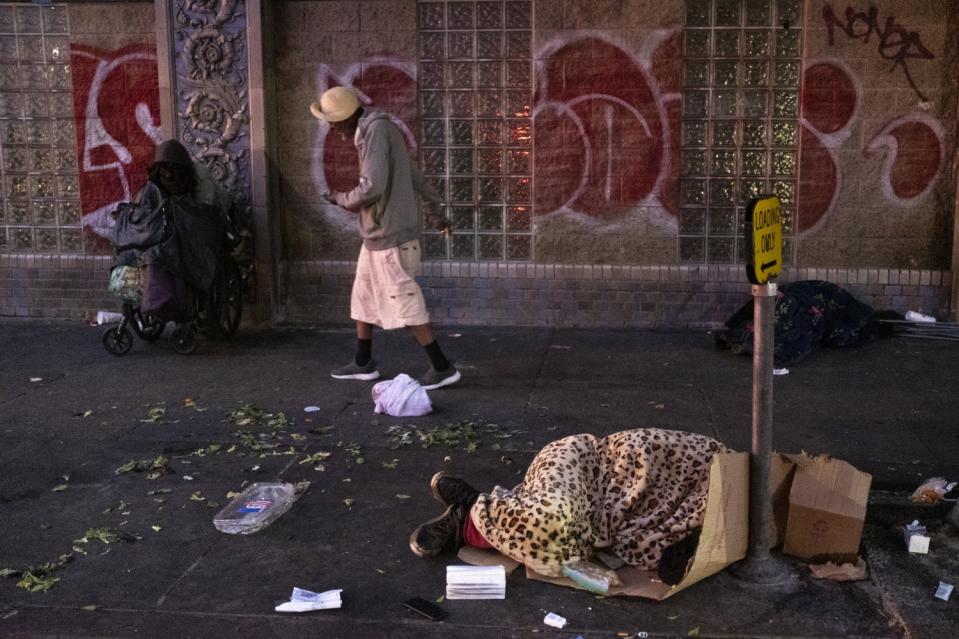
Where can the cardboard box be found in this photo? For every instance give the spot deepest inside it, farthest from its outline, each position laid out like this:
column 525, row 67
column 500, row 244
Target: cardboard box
column 827, row 509
column 722, row 542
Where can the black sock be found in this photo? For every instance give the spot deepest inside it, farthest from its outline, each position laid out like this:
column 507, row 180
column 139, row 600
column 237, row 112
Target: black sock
column 364, row 351
column 437, row 358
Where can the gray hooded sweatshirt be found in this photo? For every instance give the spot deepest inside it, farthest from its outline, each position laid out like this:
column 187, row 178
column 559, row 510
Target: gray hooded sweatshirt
column 386, row 197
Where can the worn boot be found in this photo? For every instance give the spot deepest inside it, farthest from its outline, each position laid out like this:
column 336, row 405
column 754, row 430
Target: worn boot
column 442, row 533
column 452, row 490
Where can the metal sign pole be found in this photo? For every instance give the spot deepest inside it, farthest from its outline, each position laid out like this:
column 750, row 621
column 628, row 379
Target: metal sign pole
column 759, row 566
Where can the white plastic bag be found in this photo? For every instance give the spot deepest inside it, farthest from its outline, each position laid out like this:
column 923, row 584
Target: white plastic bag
column 401, row 397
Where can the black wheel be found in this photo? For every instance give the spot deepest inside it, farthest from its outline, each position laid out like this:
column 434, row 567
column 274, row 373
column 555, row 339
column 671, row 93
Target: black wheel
column 183, row 339
column 227, row 300
column 118, row 341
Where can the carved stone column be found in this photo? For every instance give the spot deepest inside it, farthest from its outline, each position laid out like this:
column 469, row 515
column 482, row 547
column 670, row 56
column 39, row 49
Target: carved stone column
column 205, row 70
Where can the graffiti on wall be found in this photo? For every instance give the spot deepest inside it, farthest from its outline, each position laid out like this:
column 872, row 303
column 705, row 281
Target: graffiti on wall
column 606, row 131
column 605, row 134
column 116, row 110
column 894, row 41
column 913, row 145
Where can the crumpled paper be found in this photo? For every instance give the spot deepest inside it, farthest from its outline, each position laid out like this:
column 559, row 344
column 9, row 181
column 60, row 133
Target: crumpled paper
column 841, row 572
column 305, row 600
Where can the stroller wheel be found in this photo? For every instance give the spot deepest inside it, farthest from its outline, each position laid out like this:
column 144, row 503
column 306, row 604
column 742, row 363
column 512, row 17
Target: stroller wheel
column 183, row 339
column 118, row 341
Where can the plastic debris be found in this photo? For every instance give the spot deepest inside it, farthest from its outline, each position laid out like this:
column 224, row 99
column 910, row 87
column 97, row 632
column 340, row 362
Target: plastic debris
column 780, row 371
column 255, row 508
column 401, row 397
column 107, row 317
column 917, row 539
column 913, row 316
column 943, row 591
column 932, row 490
column 591, row 577
column 311, row 409
column 554, row 620
column 306, row 600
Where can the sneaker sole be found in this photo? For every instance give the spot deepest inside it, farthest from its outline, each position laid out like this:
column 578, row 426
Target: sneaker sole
column 433, row 482
column 420, row 552
column 452, row 379
column 363, row 376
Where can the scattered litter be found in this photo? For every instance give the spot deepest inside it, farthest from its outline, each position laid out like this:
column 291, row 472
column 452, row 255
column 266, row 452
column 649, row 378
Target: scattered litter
column 591, row 577
column 401, row 397
column 89, row 608
column 780, row 371
column 456, row 335
column 554, row 620
column 913, row 316
column 475, row 582
column 306, row 600
column 188, row 478
column 83, row 414
column 317, row 459
column 840, row 572
column 932, row 490
column 190, row 403
column 255, row 508
column 311, row 409
column 36, row 379
column 156, row 528
column 154, row 468
column 916, row 537
column 943, row 591
column 59, row 488
column 108, row 317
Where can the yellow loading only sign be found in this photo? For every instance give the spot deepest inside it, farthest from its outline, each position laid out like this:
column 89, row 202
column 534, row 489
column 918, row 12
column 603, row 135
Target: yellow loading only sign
column 764, row 239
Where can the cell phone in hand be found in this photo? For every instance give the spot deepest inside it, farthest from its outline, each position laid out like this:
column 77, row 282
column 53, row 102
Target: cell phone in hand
column 427, row 609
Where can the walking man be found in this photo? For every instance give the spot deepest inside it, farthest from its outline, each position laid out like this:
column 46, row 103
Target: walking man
column 384, row 291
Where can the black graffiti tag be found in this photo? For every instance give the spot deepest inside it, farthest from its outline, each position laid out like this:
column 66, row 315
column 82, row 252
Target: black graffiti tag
column 895, row 41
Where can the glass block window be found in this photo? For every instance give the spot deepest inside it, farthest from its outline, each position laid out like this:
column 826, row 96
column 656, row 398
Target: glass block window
column 476, row 90
column 39, row 196
column 741, row 68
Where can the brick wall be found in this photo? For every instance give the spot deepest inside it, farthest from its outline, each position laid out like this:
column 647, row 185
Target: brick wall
column 672, row 296
column 55, row 286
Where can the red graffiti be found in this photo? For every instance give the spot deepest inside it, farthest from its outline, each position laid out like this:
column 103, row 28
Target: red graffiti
column 916, row 153
column 896, row 43
column 604, row 135
column 116, row 109
column 383, row 86
column 913, row 144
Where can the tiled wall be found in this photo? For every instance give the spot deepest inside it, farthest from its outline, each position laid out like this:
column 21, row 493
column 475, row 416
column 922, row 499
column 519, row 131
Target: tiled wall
column 523, row 294
column 55, row 286
column 78, row 107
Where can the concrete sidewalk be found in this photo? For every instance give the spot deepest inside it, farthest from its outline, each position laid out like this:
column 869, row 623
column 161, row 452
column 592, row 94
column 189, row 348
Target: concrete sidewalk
column 889, row 408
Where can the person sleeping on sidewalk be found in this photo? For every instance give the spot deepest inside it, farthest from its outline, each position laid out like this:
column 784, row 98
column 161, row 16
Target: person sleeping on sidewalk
column 634, row 494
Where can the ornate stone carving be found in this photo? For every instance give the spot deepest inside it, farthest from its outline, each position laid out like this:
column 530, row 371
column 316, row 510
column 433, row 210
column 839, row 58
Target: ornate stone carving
column 211, row 88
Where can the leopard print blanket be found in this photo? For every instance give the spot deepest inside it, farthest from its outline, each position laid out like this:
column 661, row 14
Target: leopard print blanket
column 632, row 494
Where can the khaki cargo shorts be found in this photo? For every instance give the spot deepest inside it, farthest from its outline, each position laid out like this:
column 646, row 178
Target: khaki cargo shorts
column 384, row 291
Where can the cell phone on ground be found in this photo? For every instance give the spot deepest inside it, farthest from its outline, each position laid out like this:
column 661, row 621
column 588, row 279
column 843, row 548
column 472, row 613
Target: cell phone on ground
column 427, row 609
